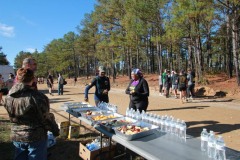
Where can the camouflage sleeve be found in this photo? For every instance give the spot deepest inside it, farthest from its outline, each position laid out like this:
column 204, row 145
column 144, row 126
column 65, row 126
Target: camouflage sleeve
column 48, row 118
column 51, row 125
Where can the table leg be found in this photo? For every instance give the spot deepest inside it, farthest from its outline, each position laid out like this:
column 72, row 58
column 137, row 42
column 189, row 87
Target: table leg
column 69, row 118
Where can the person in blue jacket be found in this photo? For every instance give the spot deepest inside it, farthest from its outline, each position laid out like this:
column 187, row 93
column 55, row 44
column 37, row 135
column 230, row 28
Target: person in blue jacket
column 138, row 91
column 102, row 85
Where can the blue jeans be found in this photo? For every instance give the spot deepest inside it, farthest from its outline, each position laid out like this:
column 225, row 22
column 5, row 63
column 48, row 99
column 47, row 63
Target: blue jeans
column 30, row 151
column 60, row 89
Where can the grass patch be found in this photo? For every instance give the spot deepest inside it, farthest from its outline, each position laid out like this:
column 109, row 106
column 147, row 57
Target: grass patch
column 6, row 145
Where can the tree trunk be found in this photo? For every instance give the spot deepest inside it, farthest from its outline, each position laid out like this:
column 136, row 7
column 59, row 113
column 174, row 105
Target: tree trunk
column 235, row 46
column 229, row 49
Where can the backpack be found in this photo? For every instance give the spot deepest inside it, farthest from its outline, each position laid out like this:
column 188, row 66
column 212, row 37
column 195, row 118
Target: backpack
column 182, row 80
column 64, row 82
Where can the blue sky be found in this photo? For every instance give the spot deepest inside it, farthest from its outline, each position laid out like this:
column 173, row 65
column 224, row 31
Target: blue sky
column 26, row 25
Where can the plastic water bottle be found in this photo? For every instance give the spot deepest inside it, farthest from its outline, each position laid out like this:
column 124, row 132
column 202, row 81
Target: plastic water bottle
column 143, row 115
column 183, row 130
column 168, row 124
column 204, row 140
column 211, row 145
column 130, row 113
column 173, row 125
column 138, row 115
column 177, row 127
column 134, row 115
column 220, row 149
column 127, row 112
column 163, row 123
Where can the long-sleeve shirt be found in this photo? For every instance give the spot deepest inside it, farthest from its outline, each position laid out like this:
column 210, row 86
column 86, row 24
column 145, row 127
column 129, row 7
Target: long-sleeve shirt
column 101, row 84
column 141, row 90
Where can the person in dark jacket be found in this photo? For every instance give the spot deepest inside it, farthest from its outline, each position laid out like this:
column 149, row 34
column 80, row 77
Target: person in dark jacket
column 167, row 83
column 138, row 91
column 102, row 84
column 28, row 110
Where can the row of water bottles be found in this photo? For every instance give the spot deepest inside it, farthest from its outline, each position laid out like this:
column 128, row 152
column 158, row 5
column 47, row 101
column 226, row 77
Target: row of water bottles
column 212, row 145
column 107, row 106
column 166, row 124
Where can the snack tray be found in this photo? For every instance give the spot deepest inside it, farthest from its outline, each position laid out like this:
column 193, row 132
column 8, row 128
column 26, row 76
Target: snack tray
column 95, row 112
column 109, row 128
column 137, row 135
column 116, row 115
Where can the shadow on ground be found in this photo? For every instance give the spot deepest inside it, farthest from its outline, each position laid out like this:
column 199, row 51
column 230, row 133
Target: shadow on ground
column 179, row 108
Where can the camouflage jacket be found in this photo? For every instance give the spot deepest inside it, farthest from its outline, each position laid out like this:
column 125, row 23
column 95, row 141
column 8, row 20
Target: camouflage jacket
column 28, row 110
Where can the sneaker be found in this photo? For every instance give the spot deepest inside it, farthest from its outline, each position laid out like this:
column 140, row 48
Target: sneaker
column 176, row 97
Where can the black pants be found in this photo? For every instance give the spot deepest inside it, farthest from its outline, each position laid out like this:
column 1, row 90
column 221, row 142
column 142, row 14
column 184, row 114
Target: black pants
column 141, row 105
column 160, row 88
column 190, row 90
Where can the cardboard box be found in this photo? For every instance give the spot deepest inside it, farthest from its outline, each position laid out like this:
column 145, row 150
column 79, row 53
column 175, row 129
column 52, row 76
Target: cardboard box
column 105, row 153
column 64, row 129
column 73, row 131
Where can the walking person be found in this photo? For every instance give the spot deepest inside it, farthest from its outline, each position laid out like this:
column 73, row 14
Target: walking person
column 164, row 75
column 28, row 111
column 190, row 84
column 102, row 85
column 60, row 84
column 138, row 91
column 182, row 85
column 75, row 80
column 160, row 84
column 50, row 83
column 167, row 83
column 174, row 80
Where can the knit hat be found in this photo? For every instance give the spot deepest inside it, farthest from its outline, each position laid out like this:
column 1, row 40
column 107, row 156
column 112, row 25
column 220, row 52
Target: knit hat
column 137, row 72
column 101, row 69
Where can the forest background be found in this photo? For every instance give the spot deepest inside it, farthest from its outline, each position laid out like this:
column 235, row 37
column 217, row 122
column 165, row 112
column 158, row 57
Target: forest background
column 151, row 35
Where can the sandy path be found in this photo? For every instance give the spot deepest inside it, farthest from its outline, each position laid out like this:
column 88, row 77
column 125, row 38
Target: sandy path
column 219, row 115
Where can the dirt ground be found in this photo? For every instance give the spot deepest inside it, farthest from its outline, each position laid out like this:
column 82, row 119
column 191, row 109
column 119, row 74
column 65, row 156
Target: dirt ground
column 219, row 113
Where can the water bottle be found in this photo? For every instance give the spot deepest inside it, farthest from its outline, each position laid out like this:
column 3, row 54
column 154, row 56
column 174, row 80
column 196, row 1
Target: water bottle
column 177, row 127
column 183, row 129
column 163, row 125
column 211, row 145
column 204, row 140
column 143, row 115
column 130, row 113
column 173, row 125
column 152, row 118
column 220, row 149
column 138, row 115
column 134, row 115
column 168, row 124
column 127, row 112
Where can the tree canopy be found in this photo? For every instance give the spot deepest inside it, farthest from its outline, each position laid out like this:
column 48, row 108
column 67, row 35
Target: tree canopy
column 151, row 35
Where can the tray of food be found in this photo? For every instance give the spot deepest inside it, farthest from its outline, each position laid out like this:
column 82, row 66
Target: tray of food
column 110, row 124
column 104, row 116
column 89, row 112
column 135, row 130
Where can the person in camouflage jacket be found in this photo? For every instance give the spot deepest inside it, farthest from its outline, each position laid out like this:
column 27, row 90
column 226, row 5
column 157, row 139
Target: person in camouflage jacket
column 28, row 111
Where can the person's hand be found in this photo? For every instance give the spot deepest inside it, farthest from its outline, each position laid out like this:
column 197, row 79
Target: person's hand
column 132, row 92
column 86, row 99
column 105, row 91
